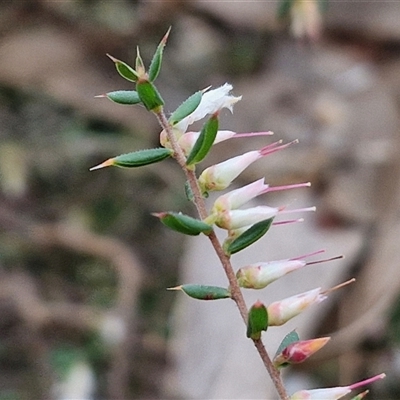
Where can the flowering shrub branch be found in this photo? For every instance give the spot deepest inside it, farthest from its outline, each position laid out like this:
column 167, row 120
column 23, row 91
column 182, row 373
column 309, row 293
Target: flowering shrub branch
column 243, row 226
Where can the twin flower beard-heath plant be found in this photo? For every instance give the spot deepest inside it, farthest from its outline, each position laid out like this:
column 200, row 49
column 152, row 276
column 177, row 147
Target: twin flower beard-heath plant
column 243, row 226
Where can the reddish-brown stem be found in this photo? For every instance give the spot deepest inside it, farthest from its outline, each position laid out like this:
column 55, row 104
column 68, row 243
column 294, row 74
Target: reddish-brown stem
column 236, row 293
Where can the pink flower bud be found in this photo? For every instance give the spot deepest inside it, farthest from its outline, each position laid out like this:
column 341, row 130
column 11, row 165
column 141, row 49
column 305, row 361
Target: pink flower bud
column 220, row 176
column 282, row 311
column 334, row 393
column 298, row 352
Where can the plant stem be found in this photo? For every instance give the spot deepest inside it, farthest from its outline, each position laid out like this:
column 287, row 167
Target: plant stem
column 236, row 293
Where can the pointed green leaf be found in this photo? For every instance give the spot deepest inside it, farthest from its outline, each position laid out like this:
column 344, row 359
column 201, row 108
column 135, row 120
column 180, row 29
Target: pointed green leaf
column 136, row 158
column 183, row 223
column 255, row 232
column 204, row 292
column 290, row 338
column 155, row 65
column 204, row 142
column 284, row 8
column 142, row 157
column 149, row 95
column 125, row 70
column 186, row 108
column 126, row 97
column 257, row 320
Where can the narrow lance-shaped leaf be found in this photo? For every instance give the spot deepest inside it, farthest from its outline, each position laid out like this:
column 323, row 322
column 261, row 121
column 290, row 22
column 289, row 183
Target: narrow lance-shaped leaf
column 136, row 159
column 124, row 69
column 257, row 320
column 183, row 223
column 251, row 235
column 204, row 142
column 149, row 95
column 186, row 108
column 290, row 338
column 125, row 97
column 155, row 65
column 204, row 292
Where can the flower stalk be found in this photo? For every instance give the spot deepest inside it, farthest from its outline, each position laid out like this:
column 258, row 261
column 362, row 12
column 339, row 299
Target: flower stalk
column 236, row 293
column 244, row 226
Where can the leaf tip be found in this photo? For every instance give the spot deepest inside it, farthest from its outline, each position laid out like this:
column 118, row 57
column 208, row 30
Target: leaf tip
column 113, row 59
column 107, row 163
column 175, row 288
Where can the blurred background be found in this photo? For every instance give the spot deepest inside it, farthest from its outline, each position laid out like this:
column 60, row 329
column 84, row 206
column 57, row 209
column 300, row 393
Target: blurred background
column 84, row 313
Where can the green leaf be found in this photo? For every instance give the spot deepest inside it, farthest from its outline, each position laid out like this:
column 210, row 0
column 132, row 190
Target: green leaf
column 183, row 223
column 257, row 320
column 125, row 70
column 126, row 97
column 142, row 157
column 291, row 337
column 203, row 292
column 284, row 8
column 204, row 142
column 155, row 65
column 255, row 232
column 136, row 158
column 149, row 95
column 186, row 108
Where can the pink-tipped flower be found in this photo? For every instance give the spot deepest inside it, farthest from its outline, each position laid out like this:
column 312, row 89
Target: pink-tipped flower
column 187, row 140
column 211, row 102
column 334, row 393
column 236, row 198
column 259, row 275
column 236, row 219
column 282, row 311
column 220, row 176
column 298, row 352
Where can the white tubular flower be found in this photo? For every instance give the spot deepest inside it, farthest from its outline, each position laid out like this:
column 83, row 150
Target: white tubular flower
column 236, row 198
column 260, row 275
column 235, row 219
column 211, row 102
column 333, row 393
column 220, row 176
column 282, row 311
